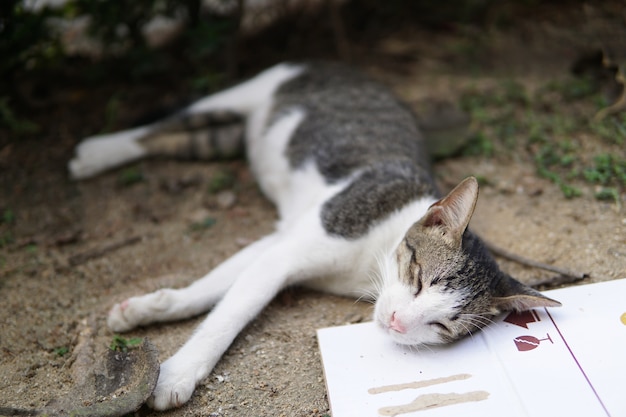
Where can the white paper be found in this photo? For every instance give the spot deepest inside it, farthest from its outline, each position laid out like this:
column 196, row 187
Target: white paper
column 567, row 361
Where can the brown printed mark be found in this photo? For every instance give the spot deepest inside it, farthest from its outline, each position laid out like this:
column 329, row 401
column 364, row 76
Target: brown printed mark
column 430, row 401
column 418, row 384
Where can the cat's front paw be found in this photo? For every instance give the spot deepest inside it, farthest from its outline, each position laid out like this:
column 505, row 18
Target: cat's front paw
column 142, row 310
column 174, row 387
column 122, row 318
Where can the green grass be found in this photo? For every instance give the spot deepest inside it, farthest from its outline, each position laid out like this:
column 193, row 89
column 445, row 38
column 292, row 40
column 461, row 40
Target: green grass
column 111, row 112
column 545, row 129
column 130, row 176
column 61, row 351
column 479, row 145
column 17, row 125
column 608, row 194
column 612, row 129
column 122, row 344
column 8, row 216
column 220, row 181
column 205, row 224
column 6, row 239
column 7, row 219
column 571, row 89
column 607, row 170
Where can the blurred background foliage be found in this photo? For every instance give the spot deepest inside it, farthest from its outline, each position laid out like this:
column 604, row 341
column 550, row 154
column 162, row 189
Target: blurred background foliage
column 74, row 68
column 52, row 51
column 44, row 41
column 40, row 41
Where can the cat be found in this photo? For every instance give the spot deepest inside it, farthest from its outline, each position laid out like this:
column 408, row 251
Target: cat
column 345, row 164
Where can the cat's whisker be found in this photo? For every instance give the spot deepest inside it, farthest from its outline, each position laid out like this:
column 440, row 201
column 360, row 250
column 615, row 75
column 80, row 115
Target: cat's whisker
column 412, row 348
column 372, row 293
column 474, row 322
column 423, row 346
column 376, row 279
column 468, row 324
column 379, row 276
column 477, row 321
column 367, row 296
column 482, row 320
column 467, row 329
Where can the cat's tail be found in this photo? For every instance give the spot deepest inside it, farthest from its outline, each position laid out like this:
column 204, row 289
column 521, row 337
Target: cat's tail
column 211, row 136
column 210, row 128
column 99, row 153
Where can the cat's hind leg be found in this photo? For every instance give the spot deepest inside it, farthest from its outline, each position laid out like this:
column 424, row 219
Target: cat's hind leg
column 177, row 304
column 209, row 128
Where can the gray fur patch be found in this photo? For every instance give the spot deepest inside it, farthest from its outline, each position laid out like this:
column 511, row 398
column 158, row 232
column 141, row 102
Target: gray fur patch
column 355, row 125
column 377, row 192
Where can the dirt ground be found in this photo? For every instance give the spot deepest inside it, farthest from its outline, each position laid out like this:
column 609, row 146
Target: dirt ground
column 60, row 269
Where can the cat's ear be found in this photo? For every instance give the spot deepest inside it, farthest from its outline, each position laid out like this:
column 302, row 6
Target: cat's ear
column 453, row 212
column 512, row 295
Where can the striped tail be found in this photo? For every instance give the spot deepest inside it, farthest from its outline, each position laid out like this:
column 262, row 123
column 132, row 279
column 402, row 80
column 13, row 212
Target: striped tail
column 210, row 136
column 210, row 128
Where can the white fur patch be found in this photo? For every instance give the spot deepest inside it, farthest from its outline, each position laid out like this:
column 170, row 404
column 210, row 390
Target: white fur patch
column 416, row 313
column 368, row 263
column 98, row 153
column 248, row 96
column 266, row 153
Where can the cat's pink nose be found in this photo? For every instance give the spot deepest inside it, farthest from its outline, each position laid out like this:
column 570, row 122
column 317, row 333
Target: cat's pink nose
column 396, row 324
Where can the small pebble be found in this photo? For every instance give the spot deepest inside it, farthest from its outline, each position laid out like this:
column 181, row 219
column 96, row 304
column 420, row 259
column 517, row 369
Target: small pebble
column 226, row 199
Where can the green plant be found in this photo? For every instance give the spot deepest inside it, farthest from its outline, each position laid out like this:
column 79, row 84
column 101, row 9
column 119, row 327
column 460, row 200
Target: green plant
column 15, row 124
column 26, row 41
column 479, row 145
column 122, row 344
column 607, row 169
column 482, row 180
column 572, row 88
column 31, row 48
column 611, row 129
column 569, row 191
column 202, row 225
column 510, row 91
column 61, row 351
column 607, row 194
column 111, row 112
column 6, row 239
column 118, row 24
column 221, row 180
column 550, row 161
column 8, row 216
column 130, row 176
column 206, row 81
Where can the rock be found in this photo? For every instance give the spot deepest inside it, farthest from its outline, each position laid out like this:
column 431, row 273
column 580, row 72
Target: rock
column 226, row 199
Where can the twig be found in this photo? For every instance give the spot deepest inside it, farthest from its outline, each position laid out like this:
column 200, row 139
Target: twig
column 8, row 411
column 565, row 275
column 83, row 257
column 553, row 281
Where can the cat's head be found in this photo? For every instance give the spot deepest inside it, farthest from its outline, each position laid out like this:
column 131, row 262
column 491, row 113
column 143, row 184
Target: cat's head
column 441, row 284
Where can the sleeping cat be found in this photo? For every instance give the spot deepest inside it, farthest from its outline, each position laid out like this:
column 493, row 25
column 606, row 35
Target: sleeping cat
column 345, row 165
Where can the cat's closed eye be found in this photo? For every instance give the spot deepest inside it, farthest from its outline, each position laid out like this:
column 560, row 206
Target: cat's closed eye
column 417, row 277
column 439, row 325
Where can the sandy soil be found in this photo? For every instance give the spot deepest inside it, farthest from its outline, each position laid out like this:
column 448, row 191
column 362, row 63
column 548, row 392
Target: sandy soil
column 49, row 285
